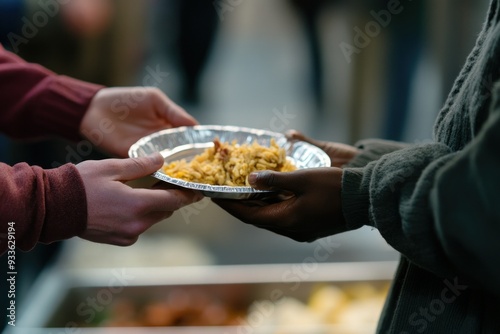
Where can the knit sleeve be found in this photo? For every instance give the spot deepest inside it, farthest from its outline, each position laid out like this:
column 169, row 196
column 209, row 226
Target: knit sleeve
column 41, row 205
column 437, row 207
column 373, row 149
column 465, row 203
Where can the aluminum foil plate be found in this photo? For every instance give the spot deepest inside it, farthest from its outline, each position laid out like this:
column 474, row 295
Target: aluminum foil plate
column 187, row 142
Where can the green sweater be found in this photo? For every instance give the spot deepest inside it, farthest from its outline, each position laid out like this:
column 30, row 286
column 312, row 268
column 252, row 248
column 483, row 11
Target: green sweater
column 438, row 204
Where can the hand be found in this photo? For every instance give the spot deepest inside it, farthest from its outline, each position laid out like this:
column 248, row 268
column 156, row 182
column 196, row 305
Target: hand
column 118, row 117
column 312, row 208
column 117, row 213
column 340, row 154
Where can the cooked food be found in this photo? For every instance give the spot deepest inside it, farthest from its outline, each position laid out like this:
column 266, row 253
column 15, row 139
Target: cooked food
column 229, row 164
column 326, row 309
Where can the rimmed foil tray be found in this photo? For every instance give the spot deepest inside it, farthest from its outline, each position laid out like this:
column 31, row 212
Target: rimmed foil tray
column 187, row 142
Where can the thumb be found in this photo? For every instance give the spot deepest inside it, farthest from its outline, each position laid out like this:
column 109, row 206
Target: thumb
column 134, row 168
column 174, row 114
column 270, row 180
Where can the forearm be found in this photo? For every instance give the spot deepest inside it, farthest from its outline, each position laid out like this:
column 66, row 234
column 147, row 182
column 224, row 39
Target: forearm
column 45, row 205
column 391, row 194
column 37, row 102
column 437, row 207
column 356, row 181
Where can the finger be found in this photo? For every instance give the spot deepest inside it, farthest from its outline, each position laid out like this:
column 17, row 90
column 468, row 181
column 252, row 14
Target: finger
column 297, row 135
column 172, row 113
column 268, row 218
column 170, row 186
column 134, row 168
column 153, row 218
column 297, row 236
column 116, row 240
column 278, row 181
column 141, row 225
column 165, row 186
column 266, row 180
column 156, row 200
column 263, row 216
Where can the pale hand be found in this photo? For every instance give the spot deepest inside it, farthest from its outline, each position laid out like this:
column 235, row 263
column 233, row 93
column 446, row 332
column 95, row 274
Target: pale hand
column 117, row 213
column 118, row 117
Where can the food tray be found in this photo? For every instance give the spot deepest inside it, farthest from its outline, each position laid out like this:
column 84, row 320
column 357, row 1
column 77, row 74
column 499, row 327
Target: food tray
column 61, row 301
column 187, row 142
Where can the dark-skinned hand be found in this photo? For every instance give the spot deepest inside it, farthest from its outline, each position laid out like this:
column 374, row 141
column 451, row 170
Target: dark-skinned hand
column 307, row 205
column 340, row 154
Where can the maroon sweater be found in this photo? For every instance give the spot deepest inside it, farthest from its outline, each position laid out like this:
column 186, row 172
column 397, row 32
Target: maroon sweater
column 45, row 205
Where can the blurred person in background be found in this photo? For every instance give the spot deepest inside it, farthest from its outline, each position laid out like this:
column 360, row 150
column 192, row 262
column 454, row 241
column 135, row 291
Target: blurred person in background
column 389, row 44
column 186, row 31
column 435, row 203
column 309, row 12
column 405, row 47
column 402, row 39
column 11, row 12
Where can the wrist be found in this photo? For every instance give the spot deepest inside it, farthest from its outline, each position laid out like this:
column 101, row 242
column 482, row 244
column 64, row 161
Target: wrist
column 355, row 198
column 91, row 118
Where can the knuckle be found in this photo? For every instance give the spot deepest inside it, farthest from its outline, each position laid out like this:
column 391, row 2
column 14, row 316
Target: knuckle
column 111, row 165
column 126, row 242
column 174, row 199
column 178, row 199
column 155, row 91
column 293, row 222
column 134, row 230
column 138, row 164
column 267, row 178
column 298, row 238
column 138, row 207
column 168, row 214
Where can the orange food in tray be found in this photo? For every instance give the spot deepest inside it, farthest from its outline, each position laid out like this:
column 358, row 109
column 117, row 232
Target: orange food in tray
column 229, row 164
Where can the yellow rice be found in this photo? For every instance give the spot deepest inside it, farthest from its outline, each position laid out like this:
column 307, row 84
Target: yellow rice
column 229, row 164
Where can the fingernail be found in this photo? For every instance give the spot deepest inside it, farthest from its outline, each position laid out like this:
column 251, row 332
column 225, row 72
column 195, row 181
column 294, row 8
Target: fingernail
column 156, row 158
column 290, row 133
column 252, row 178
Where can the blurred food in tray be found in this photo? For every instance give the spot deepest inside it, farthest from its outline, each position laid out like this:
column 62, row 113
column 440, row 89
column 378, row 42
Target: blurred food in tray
column 354, row 307
column 323, row 305
column 340, row 298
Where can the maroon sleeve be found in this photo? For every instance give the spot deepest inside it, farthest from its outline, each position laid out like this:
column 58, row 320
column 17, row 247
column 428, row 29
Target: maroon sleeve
column 41, row 205
column 35, row 102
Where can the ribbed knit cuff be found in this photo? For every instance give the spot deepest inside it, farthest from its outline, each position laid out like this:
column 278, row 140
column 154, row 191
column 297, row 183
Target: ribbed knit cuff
column 66, row 204
column 63, row 105
column 373, row 149
column 355, row 198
